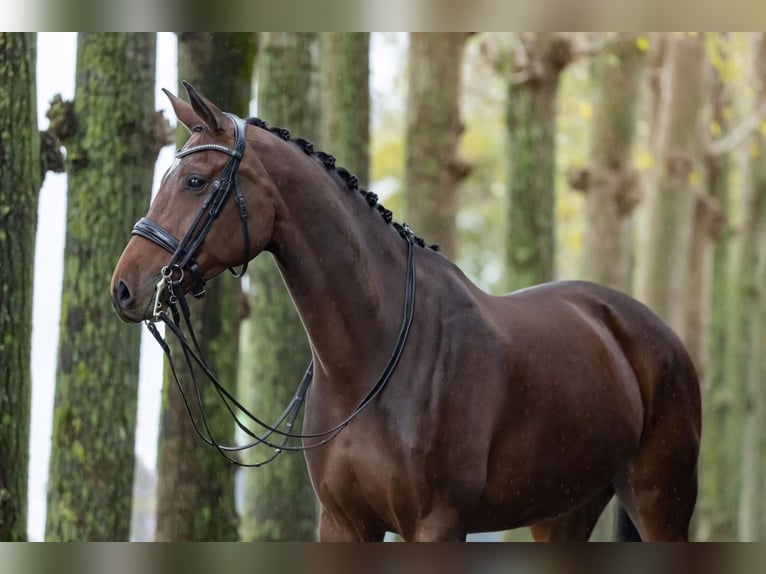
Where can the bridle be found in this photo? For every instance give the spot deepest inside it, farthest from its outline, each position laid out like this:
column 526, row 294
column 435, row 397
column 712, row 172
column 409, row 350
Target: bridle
column 182, row 252
column 182, row 258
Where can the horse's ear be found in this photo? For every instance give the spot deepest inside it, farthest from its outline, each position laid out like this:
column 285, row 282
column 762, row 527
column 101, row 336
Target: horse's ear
column 205, row 109
column 184, row 111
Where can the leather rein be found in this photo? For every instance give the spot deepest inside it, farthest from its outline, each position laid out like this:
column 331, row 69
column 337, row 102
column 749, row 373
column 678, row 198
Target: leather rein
column 181, row 260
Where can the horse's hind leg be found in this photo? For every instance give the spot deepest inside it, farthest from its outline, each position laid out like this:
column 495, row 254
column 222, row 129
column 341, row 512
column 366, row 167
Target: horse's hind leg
column 660, row 499
column 659, row 486
column 575, row 525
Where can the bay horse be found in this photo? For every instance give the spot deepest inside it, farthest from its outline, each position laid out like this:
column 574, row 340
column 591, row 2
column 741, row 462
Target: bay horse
column 529, row 409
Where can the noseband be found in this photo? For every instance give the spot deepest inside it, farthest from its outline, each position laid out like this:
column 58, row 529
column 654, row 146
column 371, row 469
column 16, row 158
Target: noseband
column 182, row 252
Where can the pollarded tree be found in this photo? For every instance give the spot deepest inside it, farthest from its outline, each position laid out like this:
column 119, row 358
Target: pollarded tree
column 664, row 253
column 195, row 486
column 750, row 313
column 610, row 183
column 345, row 88
column 716, row 511
column 110, row 138
column 531, row 128
column 19, row 187
column 279, row 503
column 433, row 169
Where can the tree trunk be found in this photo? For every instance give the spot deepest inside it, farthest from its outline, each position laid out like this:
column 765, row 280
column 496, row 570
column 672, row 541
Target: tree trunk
column 345, row 78
column 109, row 135
column 610, row 183
column 751, row 315
column 433, row 168
column 19, row 187
column 663, row 259
column 707, row 244
column 279, row 502
column 716, row 515
column 195, row 486
column 531, row 129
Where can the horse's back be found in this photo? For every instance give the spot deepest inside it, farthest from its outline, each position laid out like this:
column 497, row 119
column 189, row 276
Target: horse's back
column 653, row 349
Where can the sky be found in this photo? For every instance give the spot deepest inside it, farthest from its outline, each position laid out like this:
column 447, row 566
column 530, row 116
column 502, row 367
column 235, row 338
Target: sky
column 56, row 58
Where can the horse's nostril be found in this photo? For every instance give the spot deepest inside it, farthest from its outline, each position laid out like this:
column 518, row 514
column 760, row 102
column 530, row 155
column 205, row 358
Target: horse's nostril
column 122, row 294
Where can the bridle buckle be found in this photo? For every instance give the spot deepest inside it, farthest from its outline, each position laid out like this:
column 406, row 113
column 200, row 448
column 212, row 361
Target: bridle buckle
column 166, row 282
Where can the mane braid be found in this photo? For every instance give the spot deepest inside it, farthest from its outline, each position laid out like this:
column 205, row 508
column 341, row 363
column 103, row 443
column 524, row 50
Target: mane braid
column 351, row 180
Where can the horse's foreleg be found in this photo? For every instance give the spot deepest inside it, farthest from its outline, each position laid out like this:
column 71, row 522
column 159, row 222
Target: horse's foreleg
column 440, row 525
column 333, row 528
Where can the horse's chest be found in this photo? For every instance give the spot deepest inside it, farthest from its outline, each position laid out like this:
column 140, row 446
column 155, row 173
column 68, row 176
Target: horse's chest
column 363, row 475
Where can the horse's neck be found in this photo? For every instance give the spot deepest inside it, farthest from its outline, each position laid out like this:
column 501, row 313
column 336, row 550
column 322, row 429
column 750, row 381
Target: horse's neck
column 343, row 266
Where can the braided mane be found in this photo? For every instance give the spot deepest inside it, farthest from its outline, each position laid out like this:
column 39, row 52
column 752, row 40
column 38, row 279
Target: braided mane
column 351, row 180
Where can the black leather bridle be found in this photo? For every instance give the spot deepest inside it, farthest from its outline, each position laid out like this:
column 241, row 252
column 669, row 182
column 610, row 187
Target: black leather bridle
column 182, row 252
column 182, row 258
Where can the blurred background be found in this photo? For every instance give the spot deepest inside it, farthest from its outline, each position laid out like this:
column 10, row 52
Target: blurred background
column 634, row 160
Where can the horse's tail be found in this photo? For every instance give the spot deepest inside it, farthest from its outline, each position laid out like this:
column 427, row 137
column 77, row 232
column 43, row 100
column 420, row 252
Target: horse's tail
column 625, row 530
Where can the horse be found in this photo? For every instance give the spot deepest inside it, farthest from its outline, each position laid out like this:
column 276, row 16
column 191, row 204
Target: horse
column 529, row 409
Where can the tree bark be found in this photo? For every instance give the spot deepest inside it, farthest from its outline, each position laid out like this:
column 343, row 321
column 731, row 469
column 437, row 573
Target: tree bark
column 663, row 258
column 610, row 184
column 345, row 86
column 19, row 187
column 433, row 168
column 531, row 129
column 716, row 509
column 751, row 315
column 110, row 158
column 279, row 503
column 195, row 486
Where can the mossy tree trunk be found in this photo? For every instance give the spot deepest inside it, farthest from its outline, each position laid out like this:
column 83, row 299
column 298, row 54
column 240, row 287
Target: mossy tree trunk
column 433, row 168
column 279, row 503
column 750, row 276
column 19, row 187
column 716, row 508
column 531, row 129
column 708, row 244
column 195, row 485
column 663, row 259
column 109, row 135
column 345, row 88
column 610, row 183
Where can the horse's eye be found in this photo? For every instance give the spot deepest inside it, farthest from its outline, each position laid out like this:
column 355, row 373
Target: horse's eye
column 194, row 182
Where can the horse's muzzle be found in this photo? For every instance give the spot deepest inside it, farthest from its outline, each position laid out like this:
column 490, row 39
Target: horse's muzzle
column 128, row 307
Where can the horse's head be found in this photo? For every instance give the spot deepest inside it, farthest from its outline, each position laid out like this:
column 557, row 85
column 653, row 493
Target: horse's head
column 214, row 210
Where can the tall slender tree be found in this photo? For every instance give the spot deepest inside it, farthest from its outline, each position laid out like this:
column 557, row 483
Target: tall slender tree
column 279, row 502
column 109, row 134
column 195, row 486
column 751, row 314
column 610, row 183
column 716, row 509
column 677, row 178
column 19, row 187
column 345, row 86
column 432, row 166
column 531, row 128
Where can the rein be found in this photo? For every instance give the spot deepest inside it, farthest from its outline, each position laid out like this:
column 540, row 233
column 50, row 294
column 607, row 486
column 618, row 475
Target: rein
column 182, row 253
